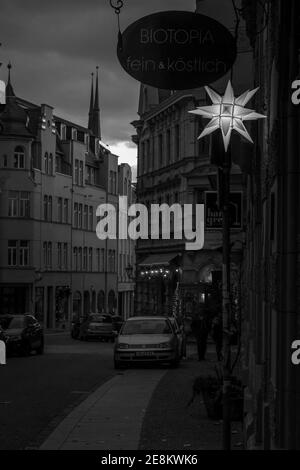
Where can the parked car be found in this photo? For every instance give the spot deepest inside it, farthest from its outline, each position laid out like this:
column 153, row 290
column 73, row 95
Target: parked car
column 181, row 336
column 23, row 334
column 97, row 326
column 3, row 337
column 146, row 339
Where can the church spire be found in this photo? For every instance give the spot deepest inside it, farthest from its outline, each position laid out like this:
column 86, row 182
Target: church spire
column 90, row 125
column 9, row 89
column 96, row 111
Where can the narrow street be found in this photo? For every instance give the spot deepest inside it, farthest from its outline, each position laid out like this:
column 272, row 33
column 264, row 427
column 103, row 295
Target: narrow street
column 37, row 392
column 72, row 398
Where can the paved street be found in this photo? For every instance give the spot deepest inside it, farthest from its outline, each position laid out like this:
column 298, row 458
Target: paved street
column 36, row 392
column 72, row 398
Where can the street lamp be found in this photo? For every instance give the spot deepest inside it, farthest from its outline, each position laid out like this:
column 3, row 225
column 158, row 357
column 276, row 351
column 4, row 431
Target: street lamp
column 227, row 113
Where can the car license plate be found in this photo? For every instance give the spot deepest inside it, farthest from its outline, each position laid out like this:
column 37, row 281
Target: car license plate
column 144, row 353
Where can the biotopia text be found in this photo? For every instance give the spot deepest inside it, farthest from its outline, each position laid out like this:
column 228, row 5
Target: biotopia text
column 158, row 221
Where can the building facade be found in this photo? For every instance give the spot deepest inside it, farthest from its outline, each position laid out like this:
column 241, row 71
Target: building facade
column 53, row 176
column 175, row 168
column 271, row 283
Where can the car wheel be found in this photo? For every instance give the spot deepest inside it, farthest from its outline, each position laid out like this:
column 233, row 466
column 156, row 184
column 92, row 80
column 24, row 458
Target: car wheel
column 118, row 365
column 25, row 349
column 40, row 349
column 175, row 363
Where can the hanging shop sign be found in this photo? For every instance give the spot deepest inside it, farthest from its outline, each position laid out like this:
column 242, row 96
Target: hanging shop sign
column 176, row 50
column 213, row 215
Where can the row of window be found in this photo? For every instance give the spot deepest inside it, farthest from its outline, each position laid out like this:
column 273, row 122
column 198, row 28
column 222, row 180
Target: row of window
column 48, row 163
column 83, row 216
column 18, row 253
column 18, row 159
column 167, row 150
column 19, row 206
column 83, row 259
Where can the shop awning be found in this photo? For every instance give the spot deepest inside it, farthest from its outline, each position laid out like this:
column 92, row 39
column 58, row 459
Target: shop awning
column 158, row 259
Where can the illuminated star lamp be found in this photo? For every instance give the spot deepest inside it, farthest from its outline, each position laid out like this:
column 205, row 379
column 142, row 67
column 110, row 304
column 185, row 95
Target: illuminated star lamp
column 227, row 113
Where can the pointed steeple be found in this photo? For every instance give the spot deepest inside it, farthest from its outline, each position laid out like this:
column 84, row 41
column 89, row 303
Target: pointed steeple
column 96, row 111
column 9, row 89
column 90, row 124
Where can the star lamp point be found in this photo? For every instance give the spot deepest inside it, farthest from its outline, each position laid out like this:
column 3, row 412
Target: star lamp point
column 227, row 113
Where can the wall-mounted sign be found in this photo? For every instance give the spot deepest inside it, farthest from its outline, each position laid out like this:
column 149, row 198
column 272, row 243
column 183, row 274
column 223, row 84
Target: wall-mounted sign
column 176, row 50
column 213, row 215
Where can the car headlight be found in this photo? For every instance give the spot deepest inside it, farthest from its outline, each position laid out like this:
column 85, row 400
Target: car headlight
column 123, row 346
column 164, row 345
column 15, row 338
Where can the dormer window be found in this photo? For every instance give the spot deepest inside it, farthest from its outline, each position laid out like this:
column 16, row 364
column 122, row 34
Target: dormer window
column 19, row 157
column 63, row 132
column 87, row 140
column 74, row 134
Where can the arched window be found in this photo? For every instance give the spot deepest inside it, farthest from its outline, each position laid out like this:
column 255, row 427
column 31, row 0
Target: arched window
column 45, row 207
column 93, row 301
column 50, row 208
column 101, row 301
column 50, row 166
column 46, row 161
column 77, row 303
column 111, row 301
column 79, row 268
column 75, row 259
column 19, row 157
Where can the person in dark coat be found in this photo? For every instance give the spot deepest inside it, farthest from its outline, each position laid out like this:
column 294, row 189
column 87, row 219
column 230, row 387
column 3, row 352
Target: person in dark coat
column 200, row 329
column 217, row 335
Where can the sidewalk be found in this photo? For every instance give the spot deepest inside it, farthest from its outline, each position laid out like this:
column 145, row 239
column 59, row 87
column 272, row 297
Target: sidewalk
column 172, row 423
column 144, row 409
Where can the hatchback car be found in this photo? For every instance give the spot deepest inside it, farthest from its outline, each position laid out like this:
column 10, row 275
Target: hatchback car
column 23, row 334
column 97, row 326
column 146, row 339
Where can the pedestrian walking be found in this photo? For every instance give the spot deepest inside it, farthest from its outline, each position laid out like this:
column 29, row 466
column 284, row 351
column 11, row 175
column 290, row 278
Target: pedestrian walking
column 217, row 335
column 200, row 329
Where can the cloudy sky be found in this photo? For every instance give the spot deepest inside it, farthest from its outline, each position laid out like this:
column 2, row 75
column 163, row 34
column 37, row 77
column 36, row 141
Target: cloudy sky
column 54, row 46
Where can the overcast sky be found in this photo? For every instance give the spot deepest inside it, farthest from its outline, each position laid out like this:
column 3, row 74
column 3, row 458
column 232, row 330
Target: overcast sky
column 54, row 46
